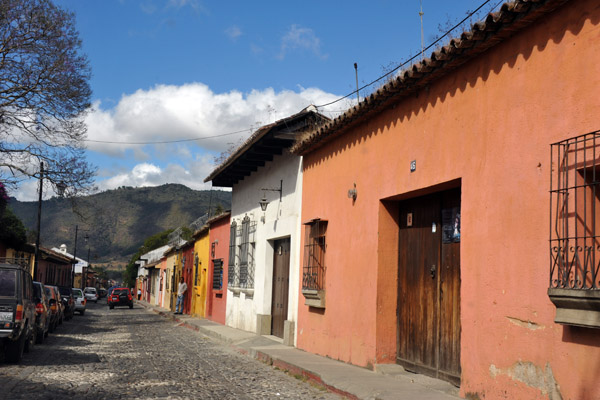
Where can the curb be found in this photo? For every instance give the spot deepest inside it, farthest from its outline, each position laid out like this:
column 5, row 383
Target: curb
column 259, row 355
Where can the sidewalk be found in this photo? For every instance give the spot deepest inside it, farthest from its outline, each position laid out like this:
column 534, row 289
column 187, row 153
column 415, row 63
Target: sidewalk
column 389, row 382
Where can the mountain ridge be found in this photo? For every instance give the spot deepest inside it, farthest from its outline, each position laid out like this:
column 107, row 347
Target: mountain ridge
column 117, row 221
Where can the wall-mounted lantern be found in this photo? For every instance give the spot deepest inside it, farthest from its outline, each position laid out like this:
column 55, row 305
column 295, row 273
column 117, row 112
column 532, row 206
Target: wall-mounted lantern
column 264, row 202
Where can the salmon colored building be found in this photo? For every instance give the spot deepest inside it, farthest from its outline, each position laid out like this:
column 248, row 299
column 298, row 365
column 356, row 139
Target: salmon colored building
column 217, row 276
column 450, row 217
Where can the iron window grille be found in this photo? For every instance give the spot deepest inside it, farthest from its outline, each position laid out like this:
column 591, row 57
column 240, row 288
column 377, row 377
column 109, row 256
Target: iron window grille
column 575, row 213
column 313, row 271
column 232, row 277
column 246, row 250
column 217, row 274
column 196, row 263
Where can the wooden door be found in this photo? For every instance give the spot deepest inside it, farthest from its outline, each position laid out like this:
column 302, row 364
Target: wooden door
column 429, row 285
column 281, row 278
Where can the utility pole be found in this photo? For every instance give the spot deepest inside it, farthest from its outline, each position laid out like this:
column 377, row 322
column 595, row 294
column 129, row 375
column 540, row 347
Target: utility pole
column 356, row 73
column 39, row 223
column 74, row 259
column 421, row 13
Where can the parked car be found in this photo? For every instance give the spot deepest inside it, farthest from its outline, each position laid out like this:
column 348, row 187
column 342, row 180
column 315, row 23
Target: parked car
column 91, row 294
column 17, row 311
column 56, row 306
column 120, row 297
column 67, row 299
column 43, row 314
column 102, row 293
column 80, row 300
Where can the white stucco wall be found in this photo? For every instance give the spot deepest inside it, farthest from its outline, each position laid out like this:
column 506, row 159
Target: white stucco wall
column 281, row 220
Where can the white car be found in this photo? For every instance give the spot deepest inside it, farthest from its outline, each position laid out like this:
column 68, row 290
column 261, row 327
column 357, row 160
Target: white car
column 80, row 300
column 91, row 294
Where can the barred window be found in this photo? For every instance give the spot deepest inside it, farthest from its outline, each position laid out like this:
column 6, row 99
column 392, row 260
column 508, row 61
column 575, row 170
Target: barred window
column 217, row 274
column 313, row 274
column 232, row 276
column 246, row 251
column 196, row 263
column 575, row 213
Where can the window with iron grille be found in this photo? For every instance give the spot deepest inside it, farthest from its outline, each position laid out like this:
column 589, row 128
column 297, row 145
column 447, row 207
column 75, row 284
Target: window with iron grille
column 313, row 272
column 575, row 213
column 217, row 274
column 246, row 251
column 232, row 276
column 196, row 263
column 574, row 286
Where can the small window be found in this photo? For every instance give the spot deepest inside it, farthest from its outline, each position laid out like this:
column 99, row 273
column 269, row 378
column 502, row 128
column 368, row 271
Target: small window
column 232, row 276
column 217, row 274
column 196, row 263
column 246, row 251
column 313, row 270
column 574, row 285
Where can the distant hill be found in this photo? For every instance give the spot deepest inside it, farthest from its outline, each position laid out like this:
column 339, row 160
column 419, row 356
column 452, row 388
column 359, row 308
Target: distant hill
column 117, row 221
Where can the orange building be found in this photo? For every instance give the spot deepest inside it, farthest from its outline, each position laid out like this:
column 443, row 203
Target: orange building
column 429, row 209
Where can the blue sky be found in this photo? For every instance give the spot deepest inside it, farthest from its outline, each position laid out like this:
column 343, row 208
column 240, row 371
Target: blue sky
column 183, row 69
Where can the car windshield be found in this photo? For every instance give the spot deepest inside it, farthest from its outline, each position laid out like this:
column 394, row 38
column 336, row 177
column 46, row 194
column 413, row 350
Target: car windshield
column 8, row 285
column 77, row 293
column 119, row 292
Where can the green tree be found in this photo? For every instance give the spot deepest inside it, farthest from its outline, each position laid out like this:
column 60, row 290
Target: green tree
column 13, row 232
column 44, row 94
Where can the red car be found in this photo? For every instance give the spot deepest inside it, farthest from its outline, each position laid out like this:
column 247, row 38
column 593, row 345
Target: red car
column 120, row 297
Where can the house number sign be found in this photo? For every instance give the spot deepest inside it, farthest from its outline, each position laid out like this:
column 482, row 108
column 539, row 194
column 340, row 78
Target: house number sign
column 409, row 219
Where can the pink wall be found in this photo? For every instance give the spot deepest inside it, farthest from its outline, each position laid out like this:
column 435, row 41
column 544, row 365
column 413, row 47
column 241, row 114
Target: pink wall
column 487, row 126
column 216, row 299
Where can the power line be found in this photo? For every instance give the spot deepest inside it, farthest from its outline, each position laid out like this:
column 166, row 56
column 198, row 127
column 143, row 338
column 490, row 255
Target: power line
column 413, row 57
column 171, row 141
column 322, row 105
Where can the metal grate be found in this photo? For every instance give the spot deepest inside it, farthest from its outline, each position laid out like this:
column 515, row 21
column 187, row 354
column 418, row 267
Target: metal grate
column 575, row 213
column 247, row 244
column 313, row 274
column 232, row 278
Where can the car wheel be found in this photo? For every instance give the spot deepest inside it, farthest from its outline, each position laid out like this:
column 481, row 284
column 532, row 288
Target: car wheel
column 30, row 341
column 14, row 350
column 131, row 306
column 82, row 312
column 111, row 307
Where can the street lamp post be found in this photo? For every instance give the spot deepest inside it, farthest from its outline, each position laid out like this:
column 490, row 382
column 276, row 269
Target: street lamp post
column 39, row 223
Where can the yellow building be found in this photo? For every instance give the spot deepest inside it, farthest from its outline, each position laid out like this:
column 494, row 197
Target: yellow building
column 200, row 271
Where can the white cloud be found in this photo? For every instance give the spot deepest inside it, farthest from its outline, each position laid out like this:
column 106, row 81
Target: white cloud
column 233, row 32
column 166, row 113
column 189, row 111
column 302, row 38
column 190, row 174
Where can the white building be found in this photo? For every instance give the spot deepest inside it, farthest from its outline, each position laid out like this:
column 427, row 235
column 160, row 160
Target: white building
column 263, row 269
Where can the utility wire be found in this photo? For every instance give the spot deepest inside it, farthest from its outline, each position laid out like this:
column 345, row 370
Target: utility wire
column 172, row 141
column 413, row 57
column 317, row 106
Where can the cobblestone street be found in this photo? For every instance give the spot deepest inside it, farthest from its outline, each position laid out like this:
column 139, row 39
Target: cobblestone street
column 123, row 354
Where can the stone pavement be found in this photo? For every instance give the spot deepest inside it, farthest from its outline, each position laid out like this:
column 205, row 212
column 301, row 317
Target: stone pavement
column 388, row 382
